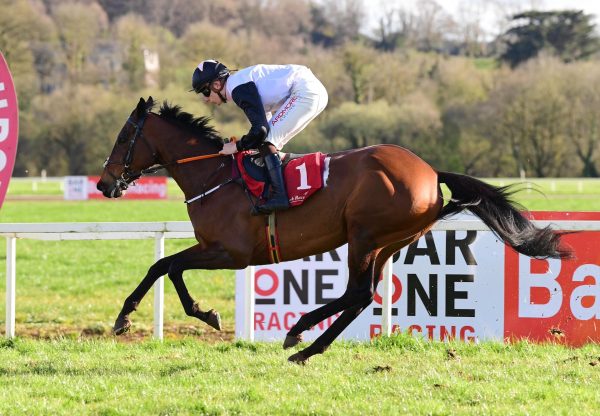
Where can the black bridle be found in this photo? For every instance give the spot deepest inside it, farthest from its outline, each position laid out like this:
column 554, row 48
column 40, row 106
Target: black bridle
column 128, row 176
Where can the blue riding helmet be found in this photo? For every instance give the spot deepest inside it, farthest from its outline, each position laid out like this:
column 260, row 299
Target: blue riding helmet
column 207, row 72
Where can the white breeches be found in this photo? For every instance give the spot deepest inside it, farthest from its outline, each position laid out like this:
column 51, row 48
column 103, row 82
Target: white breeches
column 307, row 99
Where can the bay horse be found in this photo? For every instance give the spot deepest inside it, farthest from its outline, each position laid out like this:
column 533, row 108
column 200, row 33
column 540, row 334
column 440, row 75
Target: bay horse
column 377, row 199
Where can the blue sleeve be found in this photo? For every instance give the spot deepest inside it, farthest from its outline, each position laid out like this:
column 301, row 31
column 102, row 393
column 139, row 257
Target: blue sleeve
column 246, row 96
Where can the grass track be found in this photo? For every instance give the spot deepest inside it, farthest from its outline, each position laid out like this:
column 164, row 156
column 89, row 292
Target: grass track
column 397, row 375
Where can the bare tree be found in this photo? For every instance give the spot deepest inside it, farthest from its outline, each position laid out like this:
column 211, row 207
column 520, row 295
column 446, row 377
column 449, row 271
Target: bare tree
column 582, row 90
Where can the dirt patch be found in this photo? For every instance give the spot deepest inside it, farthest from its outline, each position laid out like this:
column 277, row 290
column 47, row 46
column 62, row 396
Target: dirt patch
column 452, row 355
column 381, row 369
column 170, row 332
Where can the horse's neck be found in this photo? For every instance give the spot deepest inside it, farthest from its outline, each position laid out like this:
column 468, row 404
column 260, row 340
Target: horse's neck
column 192, row 177
column 197, row 177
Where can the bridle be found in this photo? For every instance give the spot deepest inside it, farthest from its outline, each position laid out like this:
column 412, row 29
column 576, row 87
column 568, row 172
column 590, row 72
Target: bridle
column 128, row 176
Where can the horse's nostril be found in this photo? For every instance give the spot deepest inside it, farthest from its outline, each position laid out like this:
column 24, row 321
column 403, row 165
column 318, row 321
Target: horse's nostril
column 99, row 186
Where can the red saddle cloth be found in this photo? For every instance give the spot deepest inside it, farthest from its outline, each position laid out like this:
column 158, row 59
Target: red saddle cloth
column 303, row 176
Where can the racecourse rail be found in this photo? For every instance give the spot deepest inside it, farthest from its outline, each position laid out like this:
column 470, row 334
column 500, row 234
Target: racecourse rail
column 159, row 231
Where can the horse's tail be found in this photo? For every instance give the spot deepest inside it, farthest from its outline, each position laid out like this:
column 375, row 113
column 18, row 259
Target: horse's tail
column 501, row 214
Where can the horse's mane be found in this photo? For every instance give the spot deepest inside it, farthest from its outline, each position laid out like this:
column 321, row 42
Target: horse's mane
column 197, row 125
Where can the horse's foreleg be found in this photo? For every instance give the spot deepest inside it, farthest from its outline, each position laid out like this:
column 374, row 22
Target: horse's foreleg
column 160, row 268
column 191, row 307
column 197, row 257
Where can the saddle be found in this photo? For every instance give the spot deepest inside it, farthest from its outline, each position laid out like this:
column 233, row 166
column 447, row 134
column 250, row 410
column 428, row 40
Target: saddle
column 303, row 174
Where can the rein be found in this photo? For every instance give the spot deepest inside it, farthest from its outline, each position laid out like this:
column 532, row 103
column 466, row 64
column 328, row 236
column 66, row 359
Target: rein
column 156, row 168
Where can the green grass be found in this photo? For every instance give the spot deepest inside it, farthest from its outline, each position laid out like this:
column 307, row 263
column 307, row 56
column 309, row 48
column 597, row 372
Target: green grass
column 65, row 361
column 93, row 211
column 37, row 187
column 396, row 375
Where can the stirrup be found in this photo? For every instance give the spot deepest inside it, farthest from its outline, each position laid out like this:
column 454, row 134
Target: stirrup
column 264, row 209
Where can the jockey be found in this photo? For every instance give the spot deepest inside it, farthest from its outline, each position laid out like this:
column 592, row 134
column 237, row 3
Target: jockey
column 279, row 101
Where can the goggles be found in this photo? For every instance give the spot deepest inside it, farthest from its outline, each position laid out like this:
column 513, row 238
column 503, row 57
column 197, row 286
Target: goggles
column 205, row 90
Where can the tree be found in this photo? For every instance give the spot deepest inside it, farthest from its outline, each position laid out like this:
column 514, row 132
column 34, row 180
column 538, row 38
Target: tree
column 134, row 35
column 568, row 35
column 22, row 27
column 581, row 86
column 528, row 110
column 356, row 125
column 432, row 22
column 79, row 27
column 358, row 60
column 424, row 29
column 75, row 129
column 335, row 22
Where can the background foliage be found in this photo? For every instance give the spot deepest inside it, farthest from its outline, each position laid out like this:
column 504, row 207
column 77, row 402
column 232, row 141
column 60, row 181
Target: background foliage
column 524, row 102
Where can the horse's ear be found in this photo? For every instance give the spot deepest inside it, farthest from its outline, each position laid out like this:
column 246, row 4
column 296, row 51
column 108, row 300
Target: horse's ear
column 140, row 109
column 150, row 103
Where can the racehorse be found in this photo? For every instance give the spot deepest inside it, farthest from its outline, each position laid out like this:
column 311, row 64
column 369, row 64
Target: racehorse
column 377, row 199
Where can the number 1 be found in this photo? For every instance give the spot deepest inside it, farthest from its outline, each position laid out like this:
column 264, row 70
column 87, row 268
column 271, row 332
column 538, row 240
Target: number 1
column 303, row 177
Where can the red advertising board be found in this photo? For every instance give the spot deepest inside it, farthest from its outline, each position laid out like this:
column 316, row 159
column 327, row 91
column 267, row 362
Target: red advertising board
column 554, row 300
column 9, row 127
column 148, row 187
column 84, row 187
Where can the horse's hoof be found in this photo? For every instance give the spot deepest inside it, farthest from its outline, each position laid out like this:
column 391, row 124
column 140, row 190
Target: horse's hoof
column 291, row 341
column 214, row 319
column 298, row 358
column 121, row 326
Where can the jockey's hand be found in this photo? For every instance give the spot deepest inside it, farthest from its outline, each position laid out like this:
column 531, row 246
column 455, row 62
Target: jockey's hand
column 228, row 148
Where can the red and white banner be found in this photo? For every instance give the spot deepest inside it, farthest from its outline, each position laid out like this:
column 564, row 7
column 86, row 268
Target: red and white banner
column 9, row 127
column 84, row 187
column 455, row 284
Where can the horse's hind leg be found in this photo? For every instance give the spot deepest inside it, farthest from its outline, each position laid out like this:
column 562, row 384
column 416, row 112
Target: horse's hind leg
column 359, row 294
column 307, row 321
column 365, row 295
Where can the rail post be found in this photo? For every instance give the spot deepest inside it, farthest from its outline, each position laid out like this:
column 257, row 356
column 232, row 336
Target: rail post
column 386, row 298
column 11, row 272
column 159, row 288
column 249, row 304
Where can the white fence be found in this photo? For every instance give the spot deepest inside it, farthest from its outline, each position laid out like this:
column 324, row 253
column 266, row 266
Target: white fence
column 159, row 231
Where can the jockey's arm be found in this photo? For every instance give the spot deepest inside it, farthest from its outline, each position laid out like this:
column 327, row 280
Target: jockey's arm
column 246, row 96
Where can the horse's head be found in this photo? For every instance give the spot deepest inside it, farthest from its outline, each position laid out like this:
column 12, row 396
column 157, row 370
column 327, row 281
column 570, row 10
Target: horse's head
column 129, row 156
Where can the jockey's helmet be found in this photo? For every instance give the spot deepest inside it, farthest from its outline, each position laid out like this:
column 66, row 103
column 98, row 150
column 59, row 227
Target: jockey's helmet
column 207, row 72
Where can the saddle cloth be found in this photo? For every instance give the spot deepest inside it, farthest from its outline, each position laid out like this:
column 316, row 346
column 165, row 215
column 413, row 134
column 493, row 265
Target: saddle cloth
column 303, row 174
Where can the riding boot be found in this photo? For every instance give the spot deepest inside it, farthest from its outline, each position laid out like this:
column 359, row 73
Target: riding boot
column 278, row 199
